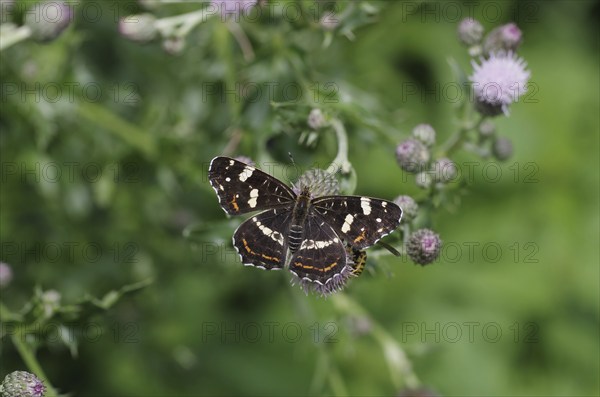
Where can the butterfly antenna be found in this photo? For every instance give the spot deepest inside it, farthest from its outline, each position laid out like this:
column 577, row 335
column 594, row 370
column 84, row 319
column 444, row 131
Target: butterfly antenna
column 294, row 165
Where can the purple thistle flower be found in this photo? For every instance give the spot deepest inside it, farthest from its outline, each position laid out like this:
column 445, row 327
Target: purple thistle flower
column 504, row 38
column 423, row 246
column 319, row 182
column 22, row 384
column 410, row 208
column 470, row 31
column 498, row 82
column 412, row 155
column 6, row 274
column 48, row 19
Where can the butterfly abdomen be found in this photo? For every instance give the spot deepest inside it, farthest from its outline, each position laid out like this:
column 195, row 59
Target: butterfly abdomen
column 295, row 237
column 299, row 215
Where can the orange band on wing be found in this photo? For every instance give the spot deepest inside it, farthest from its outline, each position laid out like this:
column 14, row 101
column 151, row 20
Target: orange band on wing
column 267, row 257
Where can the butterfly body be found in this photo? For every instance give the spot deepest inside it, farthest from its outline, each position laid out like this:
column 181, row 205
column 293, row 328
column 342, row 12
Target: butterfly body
column 299, row 217
column 309, row 235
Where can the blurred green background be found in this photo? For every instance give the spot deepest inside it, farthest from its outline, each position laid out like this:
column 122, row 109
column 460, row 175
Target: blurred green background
column 518, row 314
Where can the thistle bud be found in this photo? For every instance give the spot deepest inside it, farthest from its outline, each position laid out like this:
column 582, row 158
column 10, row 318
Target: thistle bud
column 504, row 38
column 487, row 128
column 329, row 21
column 316, row 119
column 444, row 170
column 140, row 28
column 320, row 182
column 412, row 155
column 502, row 149
column 409, row 207
column 423, row 246
column 48, row 19
column 424, row 133
column 22, row 384
column 423, row 180
column 470, row 32
column 6, row 275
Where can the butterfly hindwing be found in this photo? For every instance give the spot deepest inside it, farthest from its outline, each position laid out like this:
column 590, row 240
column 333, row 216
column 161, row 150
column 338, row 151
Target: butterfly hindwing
column 360, row 221
column 242, row 188
column 260, row 240
column 321, row 255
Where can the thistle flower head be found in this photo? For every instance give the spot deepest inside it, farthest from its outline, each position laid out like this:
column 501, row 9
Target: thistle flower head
column 499, row 81
column 423, row 180
column 319, row 182
column 6, row 275
column 412, row 155
column 444, row 170
column 487, row 128
column 316, row 119
column 140, row 28
column 22, row 384
column 502, row 148
column 423, row 246
column 329, row 21
column 48, row 19
column 470, row 31
column 424, row 133
column 503, row 38
column 50, row 302
column 409, row 207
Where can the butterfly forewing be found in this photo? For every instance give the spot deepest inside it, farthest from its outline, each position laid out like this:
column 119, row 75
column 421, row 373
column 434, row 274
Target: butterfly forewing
column 242, row 188
column 260, row 240
column 360, row 221
column 321, row 255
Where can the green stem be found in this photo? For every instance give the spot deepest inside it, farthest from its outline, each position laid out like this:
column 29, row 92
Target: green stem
column 400, row 367
column 242, row 39
column 28, row 357
column 337, row 383
column 457, row 139
column 12, row 35
column 341, row 159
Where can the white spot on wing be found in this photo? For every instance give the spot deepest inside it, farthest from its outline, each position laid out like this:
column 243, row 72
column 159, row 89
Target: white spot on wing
column 313, row 244
column 247, row 173
column 276, row 236
column 365, row 205
column 253, row 195
column 347, row 222
column 228, row 179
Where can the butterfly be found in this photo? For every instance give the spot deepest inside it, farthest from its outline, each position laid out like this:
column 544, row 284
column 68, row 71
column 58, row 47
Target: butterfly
column 319, row 239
